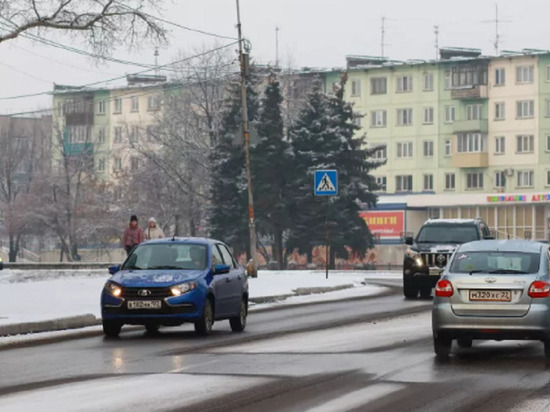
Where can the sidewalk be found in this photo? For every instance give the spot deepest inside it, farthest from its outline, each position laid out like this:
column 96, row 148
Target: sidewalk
column 48, row 300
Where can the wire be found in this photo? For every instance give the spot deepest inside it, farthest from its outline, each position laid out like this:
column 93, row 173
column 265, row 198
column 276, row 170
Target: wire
column 15, row 69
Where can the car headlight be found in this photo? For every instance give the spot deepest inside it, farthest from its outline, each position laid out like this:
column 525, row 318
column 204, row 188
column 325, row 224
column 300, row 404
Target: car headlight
column 182, row 288
column 113, row 289
column 415, row 256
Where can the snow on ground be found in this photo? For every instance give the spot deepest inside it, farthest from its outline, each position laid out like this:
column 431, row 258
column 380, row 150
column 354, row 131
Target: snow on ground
column 35, row 295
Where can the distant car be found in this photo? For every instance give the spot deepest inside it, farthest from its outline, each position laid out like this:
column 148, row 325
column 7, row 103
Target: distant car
column 167, row 282
column 429, row 252
column 493, row 290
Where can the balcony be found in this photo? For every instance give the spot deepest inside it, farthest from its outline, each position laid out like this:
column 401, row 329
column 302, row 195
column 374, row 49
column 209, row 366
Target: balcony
column 481, row 126
column 472, row 159
column 470, row 92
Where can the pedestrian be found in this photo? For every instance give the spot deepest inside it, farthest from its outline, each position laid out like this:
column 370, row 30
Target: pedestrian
column 133, row 235
column 153, row 231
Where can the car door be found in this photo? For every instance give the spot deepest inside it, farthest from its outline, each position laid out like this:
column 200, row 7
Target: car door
column 221, row 285
column 234, row 281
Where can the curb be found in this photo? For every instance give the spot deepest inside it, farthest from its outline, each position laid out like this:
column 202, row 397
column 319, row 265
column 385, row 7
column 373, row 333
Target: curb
column 72, row 322
column 300, row 292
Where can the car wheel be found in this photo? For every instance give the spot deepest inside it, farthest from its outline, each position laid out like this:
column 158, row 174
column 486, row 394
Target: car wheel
column 152, row 328
column 238, row 323
column 410, row 289
column 111, row 328
column 204, row 325
column 442, row 346
column 464, row 342
column 425, row 292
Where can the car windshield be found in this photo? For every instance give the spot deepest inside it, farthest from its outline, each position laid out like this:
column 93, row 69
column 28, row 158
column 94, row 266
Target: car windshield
column 167, row 256
column 447, row 234
column 501, row 262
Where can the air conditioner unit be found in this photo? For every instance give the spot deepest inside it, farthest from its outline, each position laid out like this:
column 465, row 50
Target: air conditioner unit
column 509, row 172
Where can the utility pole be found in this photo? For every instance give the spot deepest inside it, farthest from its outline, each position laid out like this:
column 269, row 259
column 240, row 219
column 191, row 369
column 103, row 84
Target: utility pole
column 276, row 46
column 243, row 59
column 382, row 35
column 436, row 32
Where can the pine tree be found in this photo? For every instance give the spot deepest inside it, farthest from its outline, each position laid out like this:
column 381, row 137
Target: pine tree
column 270, row 158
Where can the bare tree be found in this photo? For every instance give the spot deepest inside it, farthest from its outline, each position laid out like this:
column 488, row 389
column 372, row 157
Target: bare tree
column 104, row 24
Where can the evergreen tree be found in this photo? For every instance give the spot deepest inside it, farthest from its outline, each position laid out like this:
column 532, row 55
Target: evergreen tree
column 270, row 158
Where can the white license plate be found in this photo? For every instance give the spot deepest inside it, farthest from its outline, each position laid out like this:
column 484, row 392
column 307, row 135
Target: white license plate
column 435, row 271
column 144, row 304
column 490, row 295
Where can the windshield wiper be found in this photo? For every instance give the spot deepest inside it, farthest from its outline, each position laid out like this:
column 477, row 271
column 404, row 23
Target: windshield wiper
column 132, row 268
column 475, row 271
column 508, row 271
column 164, row 267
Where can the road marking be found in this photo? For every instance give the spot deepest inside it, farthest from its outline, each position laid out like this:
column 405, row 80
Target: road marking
column 357, row 398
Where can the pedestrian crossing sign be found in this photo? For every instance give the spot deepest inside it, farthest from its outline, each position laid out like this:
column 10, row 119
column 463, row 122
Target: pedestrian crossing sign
column 325, row 182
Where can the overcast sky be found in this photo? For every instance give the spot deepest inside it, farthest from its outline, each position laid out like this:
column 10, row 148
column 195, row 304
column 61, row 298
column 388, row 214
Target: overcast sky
column 313, row 33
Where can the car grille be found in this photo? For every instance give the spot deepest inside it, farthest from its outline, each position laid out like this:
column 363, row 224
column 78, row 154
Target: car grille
column 435, row 259
column 146, row 293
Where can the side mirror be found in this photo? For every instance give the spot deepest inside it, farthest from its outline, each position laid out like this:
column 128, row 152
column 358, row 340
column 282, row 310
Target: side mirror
column 489, row 237
column 114, row 269
column 408, row 240
column 1, row 264
column 220, row 269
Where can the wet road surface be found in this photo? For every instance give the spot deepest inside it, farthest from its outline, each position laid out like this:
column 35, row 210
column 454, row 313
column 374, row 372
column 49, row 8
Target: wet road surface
column 371, row 354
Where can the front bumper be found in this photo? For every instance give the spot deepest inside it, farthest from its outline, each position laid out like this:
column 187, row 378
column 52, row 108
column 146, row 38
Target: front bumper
column 535, row 324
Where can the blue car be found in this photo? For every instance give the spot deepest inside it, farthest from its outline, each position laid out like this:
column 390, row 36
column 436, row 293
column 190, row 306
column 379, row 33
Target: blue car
column 167, row 282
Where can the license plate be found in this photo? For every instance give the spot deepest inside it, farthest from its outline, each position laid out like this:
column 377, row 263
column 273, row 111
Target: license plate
column 144, row 304
column 490, row 295
column 435, row 271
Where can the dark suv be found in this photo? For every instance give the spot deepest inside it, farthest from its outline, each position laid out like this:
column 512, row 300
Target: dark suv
column 429, row 252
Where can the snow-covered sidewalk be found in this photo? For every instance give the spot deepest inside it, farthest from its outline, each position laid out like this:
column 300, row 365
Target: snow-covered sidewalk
column 32, row 296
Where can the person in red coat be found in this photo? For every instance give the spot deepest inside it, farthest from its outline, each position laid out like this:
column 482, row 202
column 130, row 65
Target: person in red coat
column 133, row 235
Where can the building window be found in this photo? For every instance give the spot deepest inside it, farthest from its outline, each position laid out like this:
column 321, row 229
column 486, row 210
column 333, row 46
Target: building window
column 548, row 73
column 428, row 148
column 448, row 80
column 118, row 105
column 428, row 82
column 525, row 178
column 101, row 135
column 134, row 164
column 378, row 85
column 448, row 148
column 500, row 144
column 470, row 143
column 117, row 164
column 78, row 134
column 525, row 109
column 404, row 117
column 381, row 182
column 500, row 76
column 403, row 183
column 548, row 178
column 404, row 150
column 429, row 182
column 100, row 165
column 404, row 84
column 356, row 121
column 500, row 108
column 473, row 112
column 381, row 152
column 134, row 134
column 428, row 115
column 474, row 181
column 524, row 74
column 500, row 179
column 378, row 118
column 449, row 114
column 118, row 134
column 356, row 88
column 153, row 103
column 525, row 144
column 449, row 181
column 134, row 106
column 547, row 107
column 548, row 143
column 101, row 107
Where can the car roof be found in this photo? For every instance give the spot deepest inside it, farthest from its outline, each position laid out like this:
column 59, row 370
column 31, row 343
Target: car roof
column 505, row 245
column 184, row 240
column 454, row 221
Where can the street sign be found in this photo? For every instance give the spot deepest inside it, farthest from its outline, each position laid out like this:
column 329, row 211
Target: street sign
column 325, row 182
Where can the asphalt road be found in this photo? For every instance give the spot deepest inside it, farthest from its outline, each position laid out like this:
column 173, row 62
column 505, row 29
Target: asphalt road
column 370, row 354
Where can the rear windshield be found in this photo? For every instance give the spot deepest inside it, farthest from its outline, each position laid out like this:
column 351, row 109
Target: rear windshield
column 496, row 262
column 447, row 234
column 167, row 256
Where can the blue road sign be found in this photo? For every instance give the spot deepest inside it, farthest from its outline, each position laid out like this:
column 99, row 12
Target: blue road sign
column 325, row 182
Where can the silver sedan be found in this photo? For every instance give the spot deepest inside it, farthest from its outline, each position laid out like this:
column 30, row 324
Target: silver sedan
column 494, row 290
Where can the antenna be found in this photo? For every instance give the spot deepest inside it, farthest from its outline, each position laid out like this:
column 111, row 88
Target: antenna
column 382, row 35
column 156, row 61
column 497, row 21
column 436, row 32
column 276, row 46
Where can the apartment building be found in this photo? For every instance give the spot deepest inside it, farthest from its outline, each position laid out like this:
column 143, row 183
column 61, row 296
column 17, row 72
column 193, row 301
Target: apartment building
column 462, row 136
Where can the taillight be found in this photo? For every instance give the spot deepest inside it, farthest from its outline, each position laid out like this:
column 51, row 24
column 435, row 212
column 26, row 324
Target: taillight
column 444, row 289
column 539, row 289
